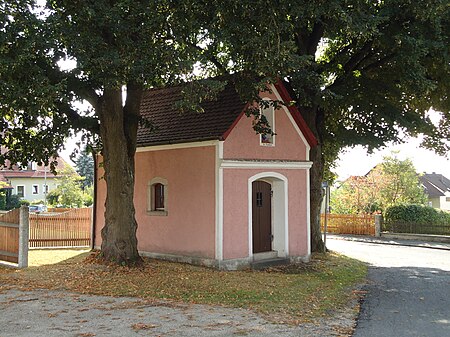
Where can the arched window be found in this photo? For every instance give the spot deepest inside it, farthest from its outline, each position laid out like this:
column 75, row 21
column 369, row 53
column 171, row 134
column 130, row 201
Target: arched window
column 157, row 197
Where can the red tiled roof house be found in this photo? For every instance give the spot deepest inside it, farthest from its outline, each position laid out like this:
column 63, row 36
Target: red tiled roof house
column 208, row 190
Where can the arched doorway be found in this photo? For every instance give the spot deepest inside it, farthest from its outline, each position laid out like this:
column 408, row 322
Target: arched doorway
column 268, row 214
column 262, row 216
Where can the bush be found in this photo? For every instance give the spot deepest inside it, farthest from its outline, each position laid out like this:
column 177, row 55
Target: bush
column 13, row 202
column 2, row 201
column 24, row 202
column 416, row 214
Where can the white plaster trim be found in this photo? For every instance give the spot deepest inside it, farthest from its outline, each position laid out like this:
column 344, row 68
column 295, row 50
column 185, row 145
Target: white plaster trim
column 286, row 110
column 272, row 127
column 229, row 163
column 177, row 146
column 308, row 213
column 268, row 175
column 219, row 202
column 286, row 215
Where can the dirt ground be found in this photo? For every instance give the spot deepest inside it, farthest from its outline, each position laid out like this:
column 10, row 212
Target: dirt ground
column 59, row 314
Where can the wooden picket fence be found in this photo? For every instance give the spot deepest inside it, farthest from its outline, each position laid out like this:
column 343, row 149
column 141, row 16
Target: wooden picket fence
column 360, row 224
column 9, row 236
column 70, row 228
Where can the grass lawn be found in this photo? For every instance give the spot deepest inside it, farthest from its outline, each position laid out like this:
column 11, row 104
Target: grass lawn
column 291, row 293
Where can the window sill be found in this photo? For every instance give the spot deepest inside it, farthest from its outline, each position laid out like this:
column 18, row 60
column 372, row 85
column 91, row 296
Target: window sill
column 157, row 213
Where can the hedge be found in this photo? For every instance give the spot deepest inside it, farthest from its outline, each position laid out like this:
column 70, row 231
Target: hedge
column 416, row 214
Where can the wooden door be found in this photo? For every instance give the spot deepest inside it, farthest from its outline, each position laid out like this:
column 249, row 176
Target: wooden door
column 262, row 216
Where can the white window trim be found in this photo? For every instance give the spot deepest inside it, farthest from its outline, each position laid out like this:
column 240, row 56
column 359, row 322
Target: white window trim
column 272, row 127
column 151, row 197
column 24, row 191
column 37, row 189
column 44, row 191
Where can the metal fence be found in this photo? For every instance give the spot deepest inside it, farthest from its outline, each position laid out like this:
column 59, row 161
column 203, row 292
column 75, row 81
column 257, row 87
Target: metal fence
column 415, row 228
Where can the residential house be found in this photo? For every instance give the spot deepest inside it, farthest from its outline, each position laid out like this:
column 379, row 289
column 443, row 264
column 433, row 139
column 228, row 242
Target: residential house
column 437, row 187
column 210, row 191
column 31, row 183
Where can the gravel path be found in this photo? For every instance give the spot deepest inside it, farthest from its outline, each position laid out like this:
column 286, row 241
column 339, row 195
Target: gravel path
column 58, row 313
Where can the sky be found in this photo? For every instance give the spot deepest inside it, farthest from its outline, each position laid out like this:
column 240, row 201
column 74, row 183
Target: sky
column 357, row 161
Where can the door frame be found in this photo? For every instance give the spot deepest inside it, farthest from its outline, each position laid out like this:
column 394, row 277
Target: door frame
column 265, row 223
column 280, row 225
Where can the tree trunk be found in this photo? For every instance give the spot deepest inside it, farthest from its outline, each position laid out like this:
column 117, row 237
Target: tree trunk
column 316, row 197
column 314, row 119
column 118, row 133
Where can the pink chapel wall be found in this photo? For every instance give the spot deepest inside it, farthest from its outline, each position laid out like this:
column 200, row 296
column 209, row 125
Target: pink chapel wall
column 189, row 227
column 236, row 219
column 243, row 143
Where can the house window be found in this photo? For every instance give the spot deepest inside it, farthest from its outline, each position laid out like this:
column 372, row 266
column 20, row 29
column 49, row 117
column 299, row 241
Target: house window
column 20, row 189
column 157, row 197
column 268, row 113
column 45, row 189
column 35, row 189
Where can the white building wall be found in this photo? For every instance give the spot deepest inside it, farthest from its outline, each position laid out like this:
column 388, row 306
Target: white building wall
column 28, row 183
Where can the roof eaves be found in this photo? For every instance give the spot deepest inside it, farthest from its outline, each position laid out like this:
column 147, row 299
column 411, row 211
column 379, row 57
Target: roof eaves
column 298, row 118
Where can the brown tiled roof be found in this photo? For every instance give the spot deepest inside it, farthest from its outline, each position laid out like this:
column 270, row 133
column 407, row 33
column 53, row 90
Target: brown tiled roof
column 41, row 171
column 172, row 126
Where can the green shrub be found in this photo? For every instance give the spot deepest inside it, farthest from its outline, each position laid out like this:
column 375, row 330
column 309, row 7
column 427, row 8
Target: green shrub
column 416, row 214
column 2, row 201
column 13, row 202
column 24, row 202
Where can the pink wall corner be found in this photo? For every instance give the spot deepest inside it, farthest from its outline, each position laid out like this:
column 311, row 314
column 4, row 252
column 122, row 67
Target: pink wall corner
column 189, row 227
column 298, row 212
column 236, row 220
column 288, row 143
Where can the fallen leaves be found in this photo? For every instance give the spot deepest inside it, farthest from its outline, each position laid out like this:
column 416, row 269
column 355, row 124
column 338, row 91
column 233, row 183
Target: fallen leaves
column 293, row 293
column 142, row 326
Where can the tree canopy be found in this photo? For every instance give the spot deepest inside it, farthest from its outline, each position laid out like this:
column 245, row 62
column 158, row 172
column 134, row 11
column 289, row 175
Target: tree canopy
column 363, row 72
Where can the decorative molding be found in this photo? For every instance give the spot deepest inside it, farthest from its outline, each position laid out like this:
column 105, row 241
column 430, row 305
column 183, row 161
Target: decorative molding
column 219, row 202
column 266, row 164
column 177, row 146
column 291, row 119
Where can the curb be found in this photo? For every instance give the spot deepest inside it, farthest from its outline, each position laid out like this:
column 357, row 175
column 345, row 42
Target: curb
column 391, row 242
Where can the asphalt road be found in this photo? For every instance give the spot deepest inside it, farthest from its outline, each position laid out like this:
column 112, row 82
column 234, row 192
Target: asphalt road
column 408, row 292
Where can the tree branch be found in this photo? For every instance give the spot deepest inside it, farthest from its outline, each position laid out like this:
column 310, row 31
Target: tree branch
column 131, row 113
column 314, row 38
column 210, row 57
column 79, row 122
column 83, row 91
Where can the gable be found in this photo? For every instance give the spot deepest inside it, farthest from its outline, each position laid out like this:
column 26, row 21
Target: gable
column 289, row 143
column 220, row 116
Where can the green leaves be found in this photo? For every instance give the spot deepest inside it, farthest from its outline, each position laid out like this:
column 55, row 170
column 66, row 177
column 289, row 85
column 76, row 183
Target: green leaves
column 393, row 182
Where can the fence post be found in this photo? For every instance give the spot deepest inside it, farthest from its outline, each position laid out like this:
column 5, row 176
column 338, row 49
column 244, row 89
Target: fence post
column 24, row 232
column 378, row 222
